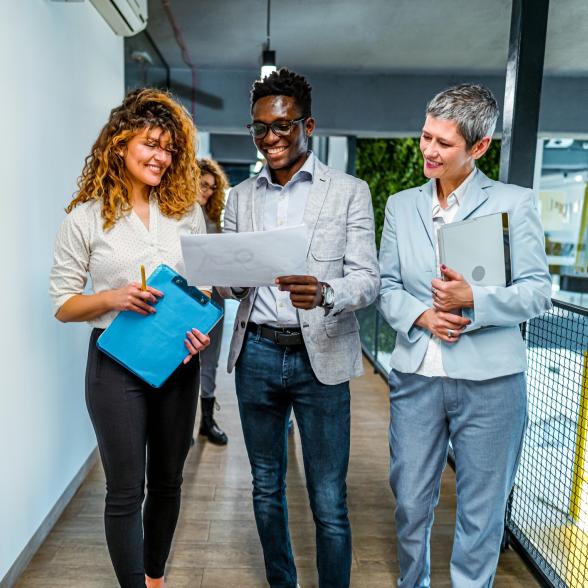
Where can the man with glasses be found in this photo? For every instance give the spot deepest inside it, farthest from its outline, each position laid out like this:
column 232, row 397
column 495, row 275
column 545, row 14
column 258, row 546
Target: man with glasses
column 296, row 345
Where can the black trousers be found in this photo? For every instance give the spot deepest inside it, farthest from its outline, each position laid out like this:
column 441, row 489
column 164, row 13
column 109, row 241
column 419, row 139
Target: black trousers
column 143, row 433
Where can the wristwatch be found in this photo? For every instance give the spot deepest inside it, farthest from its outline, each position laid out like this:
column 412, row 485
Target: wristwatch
column 328, row 297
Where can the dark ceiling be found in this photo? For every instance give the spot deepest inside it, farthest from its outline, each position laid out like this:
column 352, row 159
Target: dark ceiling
column 392, row 36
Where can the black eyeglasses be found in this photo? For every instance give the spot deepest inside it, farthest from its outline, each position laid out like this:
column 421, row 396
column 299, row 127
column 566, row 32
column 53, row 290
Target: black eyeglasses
column 281, row 128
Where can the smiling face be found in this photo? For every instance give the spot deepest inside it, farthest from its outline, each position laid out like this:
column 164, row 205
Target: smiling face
column 284, row 154
column 207, row 188
column 147, row 157
column 445, row 153
column 444, row 150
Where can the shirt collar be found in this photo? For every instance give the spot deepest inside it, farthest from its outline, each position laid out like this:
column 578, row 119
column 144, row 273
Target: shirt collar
column 304, row 174
column 457, row 195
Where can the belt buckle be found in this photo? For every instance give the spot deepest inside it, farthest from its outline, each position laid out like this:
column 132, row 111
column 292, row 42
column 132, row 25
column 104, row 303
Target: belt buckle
column 287, row 338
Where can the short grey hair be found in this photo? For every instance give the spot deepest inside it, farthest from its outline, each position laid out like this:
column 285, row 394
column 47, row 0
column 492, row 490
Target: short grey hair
column 471, row 106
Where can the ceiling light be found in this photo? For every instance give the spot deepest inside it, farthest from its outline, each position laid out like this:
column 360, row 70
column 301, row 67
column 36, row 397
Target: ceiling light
column 559, row 143
column 578, row 177
column 268, row 62
column 268, row 57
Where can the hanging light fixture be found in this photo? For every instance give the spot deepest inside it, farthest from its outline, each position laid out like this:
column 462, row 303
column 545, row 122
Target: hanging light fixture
column 268, row 57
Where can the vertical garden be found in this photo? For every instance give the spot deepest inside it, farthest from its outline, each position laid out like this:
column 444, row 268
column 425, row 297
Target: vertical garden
column 392, row 165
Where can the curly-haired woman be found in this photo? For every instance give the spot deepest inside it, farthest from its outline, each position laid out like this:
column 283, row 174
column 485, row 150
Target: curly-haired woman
column 213, row 186
column 137, row 195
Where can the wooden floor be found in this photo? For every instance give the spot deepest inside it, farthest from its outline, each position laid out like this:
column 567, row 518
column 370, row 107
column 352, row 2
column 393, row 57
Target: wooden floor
column 216, row 543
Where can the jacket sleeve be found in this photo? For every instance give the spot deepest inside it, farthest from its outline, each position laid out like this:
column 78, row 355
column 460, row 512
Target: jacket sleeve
column 360, row 283
column 399, row 307
column 530, row 293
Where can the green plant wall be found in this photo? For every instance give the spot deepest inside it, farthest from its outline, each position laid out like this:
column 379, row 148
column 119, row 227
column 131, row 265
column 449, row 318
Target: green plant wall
column 392, row 165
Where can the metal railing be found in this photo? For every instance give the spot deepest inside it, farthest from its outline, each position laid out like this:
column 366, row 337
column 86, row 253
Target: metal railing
column 547, row 514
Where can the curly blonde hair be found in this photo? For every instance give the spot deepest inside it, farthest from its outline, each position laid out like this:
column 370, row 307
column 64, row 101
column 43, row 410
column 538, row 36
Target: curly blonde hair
column 104, row 174
column 216, row 203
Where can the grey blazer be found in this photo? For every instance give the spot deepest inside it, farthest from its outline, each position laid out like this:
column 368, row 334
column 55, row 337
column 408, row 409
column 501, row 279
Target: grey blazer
column 340, row 250
column 494, row 347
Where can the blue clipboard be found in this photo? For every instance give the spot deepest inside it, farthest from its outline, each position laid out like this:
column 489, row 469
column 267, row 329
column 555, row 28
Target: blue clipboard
column 152, row 346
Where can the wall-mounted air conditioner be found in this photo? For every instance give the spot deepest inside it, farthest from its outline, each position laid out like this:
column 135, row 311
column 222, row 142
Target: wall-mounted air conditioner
column 125, row 17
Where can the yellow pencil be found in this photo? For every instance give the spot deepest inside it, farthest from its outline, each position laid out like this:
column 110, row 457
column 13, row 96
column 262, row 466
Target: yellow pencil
column 143, row 282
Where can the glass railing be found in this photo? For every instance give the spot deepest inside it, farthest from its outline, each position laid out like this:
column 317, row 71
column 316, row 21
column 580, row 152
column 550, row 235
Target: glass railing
column 377, row 338
column 547, row 515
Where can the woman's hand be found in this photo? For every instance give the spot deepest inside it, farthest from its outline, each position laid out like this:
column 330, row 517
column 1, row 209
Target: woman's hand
column 444, row 325
column 195, row 342
column 131, row 297
column 452, row 293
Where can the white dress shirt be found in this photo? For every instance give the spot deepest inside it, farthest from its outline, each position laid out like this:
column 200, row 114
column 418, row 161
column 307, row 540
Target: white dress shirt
column 432, row 364
column 113, row 258
column 283, row 206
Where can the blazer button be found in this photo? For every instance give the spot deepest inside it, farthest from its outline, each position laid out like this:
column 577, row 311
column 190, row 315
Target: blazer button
column 242, row 324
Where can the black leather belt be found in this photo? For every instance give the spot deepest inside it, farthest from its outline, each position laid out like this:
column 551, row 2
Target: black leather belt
column 279, row 336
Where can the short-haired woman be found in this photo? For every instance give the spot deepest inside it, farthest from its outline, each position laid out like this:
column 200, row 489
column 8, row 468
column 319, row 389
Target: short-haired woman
column 446, row 384
column 137, row 195
column 213, row 186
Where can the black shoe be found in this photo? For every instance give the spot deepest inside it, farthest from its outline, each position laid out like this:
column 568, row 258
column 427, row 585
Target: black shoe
column 208, row 426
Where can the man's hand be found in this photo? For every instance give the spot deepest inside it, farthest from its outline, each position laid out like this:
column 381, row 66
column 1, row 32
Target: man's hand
column 444, row 325
column 305, row 291
column 452, row 293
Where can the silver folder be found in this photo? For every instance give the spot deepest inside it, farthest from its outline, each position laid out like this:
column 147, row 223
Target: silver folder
column 478, row 248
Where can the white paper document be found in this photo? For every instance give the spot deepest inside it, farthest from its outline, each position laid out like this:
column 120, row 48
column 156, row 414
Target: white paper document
column 245, row 259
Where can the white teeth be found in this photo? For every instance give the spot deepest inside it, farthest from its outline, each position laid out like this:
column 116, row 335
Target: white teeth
column 275, row 150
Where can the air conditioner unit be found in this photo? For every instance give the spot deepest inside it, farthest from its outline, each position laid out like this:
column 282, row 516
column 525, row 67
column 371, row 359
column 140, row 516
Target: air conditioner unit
column 125, row 17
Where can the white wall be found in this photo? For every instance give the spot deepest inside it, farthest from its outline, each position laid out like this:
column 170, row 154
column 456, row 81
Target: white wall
column 62, row 72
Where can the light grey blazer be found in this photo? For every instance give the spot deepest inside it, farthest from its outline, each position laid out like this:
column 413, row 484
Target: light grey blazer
column 340, row 250
column 407, row 264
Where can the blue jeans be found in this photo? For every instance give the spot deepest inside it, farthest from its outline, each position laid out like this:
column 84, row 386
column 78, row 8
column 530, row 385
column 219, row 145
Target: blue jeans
column 271, row 380
column 485, row 422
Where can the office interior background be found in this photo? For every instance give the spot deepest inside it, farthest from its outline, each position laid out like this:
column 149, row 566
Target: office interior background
column 372, row 65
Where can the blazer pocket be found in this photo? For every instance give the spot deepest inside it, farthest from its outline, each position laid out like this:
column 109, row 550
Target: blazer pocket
column 329, row 253
column 344, row 326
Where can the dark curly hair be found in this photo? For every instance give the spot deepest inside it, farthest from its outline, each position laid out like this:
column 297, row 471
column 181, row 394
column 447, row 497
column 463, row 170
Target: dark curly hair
column 284, row 83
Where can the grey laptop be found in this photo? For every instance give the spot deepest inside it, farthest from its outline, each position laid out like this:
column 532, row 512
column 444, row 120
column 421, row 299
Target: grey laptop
column 478, row 248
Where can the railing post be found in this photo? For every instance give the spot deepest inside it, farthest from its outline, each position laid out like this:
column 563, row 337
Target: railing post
column 579, row 497
column 576, row 534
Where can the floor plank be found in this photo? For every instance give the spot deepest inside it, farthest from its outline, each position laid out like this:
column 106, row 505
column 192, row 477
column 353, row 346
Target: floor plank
column 216, row 541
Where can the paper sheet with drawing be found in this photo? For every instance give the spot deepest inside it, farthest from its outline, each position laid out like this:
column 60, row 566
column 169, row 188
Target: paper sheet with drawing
column 245, row 259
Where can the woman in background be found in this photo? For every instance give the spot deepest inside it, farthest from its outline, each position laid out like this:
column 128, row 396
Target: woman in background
column 213, row 184
column 136, row 197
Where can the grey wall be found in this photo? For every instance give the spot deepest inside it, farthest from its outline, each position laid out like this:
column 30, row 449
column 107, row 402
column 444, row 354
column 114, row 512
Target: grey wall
column 382, row 105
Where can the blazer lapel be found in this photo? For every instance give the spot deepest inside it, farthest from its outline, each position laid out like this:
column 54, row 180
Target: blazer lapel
column 257, row 205
column 474, row 196
column 316, row 198
column 425, row 209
